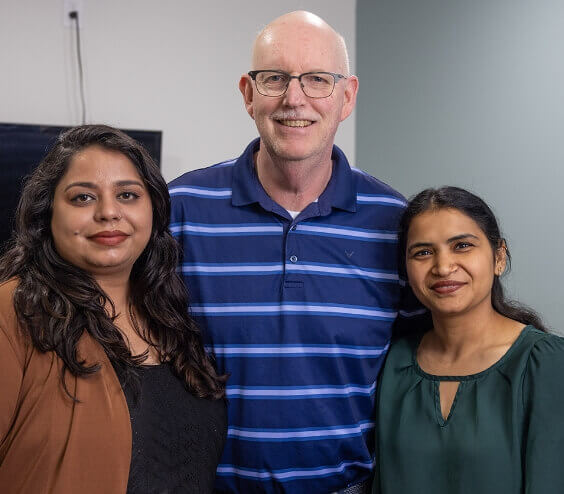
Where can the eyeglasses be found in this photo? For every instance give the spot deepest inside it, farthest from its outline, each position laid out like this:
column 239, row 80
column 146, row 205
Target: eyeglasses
column 314, row 84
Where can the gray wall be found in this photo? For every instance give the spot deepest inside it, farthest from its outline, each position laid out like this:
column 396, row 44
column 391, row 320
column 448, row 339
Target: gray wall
column 471, row 93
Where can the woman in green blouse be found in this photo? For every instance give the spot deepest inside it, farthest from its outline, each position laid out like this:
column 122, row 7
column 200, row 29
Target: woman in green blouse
column 476, row 404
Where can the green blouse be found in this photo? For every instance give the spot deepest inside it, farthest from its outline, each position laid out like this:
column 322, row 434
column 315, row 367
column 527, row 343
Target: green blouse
column 504, row 433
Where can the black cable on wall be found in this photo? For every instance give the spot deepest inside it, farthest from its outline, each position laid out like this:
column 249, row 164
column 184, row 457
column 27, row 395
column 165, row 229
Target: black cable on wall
column 74, row 15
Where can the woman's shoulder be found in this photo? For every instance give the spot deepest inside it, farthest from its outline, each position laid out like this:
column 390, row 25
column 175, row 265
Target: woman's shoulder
column 541, row 342
column 7, row 289
column 9, row 326
column 547, row 347
column 402, row 349
column 543, row 370
column 7, row 312
column 539, row 355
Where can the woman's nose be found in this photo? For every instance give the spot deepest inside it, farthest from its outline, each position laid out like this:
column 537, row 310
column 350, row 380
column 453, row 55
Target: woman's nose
column 108, row 209
column 444, row 264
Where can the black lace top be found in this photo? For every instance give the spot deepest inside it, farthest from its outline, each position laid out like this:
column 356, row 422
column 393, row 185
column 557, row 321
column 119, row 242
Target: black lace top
column 177, row 439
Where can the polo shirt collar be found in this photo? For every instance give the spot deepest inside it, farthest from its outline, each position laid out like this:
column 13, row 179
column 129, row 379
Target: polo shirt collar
column 340, row 192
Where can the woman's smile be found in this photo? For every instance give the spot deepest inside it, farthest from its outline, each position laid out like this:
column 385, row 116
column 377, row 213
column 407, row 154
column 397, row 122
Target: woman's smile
column 446, row 287
column 109, row 238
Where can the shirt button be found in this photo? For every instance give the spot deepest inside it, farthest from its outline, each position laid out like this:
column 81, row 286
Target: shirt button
column 293, row 228
column 294, row 258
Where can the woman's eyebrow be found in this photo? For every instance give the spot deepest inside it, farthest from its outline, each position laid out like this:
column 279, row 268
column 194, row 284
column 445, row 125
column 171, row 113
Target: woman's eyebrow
column 88, row 185
column 419, row 244
column 91, row 185
column 123, row 183
column 461, row 236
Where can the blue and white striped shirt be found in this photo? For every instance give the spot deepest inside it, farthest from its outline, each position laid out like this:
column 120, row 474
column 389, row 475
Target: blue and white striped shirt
column 299, row 312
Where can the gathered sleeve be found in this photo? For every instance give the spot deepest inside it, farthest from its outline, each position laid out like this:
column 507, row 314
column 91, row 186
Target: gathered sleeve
column 543, row 396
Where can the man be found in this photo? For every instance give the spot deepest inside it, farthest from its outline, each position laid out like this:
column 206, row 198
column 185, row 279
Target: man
column 290, row 260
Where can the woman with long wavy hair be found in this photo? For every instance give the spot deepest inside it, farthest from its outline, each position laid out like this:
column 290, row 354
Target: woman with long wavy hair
column 105, row 384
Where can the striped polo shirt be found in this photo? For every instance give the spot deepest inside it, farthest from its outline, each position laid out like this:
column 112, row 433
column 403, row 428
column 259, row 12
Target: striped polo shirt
column 299, row 312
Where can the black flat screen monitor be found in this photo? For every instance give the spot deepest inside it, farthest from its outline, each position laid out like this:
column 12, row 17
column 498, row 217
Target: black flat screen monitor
column 23, row 146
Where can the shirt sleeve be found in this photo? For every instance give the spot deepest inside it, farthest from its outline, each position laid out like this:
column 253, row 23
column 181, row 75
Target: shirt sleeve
column 543, row 395
column 11, row 375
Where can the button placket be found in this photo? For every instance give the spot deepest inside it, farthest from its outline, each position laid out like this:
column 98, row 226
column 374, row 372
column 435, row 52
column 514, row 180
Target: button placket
column 292, row 280
column 290, row 242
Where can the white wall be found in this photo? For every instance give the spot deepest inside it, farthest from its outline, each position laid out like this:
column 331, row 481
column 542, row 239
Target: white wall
column 171, row 65
column 472, row 94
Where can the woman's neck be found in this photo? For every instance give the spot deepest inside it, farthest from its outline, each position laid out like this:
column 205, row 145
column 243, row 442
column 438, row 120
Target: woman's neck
column 117, row 290
column 468, row 343
column 453, row 332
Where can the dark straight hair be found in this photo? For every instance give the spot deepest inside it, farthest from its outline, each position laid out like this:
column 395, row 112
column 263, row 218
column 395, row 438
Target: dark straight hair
column 56, row 302
column 476, row 209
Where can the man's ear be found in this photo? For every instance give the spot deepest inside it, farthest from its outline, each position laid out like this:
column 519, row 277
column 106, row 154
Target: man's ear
column 351, row 89
column 246, row 88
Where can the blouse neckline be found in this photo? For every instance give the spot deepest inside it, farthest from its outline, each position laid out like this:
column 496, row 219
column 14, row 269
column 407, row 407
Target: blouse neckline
column 468, row 377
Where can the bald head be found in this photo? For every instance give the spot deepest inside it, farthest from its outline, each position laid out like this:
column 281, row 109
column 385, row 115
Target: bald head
column 294, row 126
column 305, row 31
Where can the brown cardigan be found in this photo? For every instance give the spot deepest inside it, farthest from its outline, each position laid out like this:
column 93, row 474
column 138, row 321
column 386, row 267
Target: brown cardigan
column 48, row 443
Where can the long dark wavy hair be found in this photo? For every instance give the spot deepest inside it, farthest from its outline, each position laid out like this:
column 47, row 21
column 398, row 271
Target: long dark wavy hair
column 476, row 209
column 56, row 302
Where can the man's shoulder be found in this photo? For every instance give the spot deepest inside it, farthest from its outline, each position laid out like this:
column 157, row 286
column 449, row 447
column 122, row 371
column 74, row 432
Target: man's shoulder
column 214, row 176
column 370, row 188
column 218, row 176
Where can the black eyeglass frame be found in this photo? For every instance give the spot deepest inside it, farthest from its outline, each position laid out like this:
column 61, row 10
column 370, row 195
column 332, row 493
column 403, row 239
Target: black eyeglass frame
column 336, row 78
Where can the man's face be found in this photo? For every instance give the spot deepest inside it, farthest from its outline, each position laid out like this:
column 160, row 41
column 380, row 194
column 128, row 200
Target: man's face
column 293, row 126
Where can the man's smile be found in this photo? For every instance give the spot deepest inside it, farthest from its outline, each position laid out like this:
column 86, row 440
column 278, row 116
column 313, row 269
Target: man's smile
column 295, row 123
